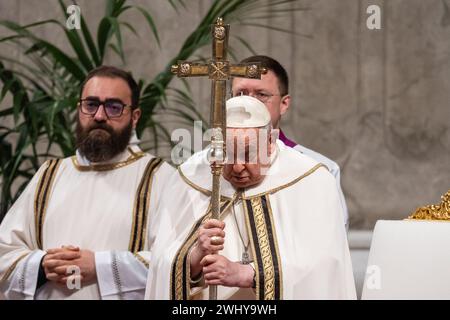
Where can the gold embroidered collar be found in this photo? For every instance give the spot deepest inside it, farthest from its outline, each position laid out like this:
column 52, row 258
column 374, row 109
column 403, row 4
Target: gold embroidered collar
column 134, row 156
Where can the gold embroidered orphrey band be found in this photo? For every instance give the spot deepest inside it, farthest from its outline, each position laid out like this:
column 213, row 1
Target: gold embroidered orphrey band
column 109, row 166
column 259, row 216
column 42, row 195
column 140, row 210
column 141, row 207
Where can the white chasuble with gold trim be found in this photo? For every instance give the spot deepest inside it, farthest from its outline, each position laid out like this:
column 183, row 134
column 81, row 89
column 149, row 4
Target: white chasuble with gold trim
column 291, row 224
column 108, row 208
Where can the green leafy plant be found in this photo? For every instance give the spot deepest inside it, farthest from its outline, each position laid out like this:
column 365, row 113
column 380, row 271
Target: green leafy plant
column 44, row 82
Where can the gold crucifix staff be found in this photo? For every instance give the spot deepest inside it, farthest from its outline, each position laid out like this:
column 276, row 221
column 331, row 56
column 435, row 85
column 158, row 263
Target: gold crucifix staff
column 219, row 70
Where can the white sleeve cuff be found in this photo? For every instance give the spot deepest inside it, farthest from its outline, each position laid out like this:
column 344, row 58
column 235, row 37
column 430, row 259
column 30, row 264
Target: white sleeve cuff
column 24, row 278
column 120, row 275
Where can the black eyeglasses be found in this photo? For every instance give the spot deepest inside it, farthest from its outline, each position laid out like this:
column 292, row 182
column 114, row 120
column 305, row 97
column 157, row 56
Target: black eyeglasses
column 113, row 108
column 260, row 95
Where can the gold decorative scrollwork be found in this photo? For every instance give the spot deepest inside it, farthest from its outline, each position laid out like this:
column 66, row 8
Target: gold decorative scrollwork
column 434, row 212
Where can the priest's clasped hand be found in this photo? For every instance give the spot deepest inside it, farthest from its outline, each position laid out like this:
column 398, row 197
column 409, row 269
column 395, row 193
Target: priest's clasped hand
column 57, row 261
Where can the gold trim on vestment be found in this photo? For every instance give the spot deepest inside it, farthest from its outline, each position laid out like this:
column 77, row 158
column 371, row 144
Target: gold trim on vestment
column 177, row 283
column 266, row 254
column 42, row 196
column 253, row 246
column 12, row 267
column 204, row 191
column 38, row 200
column 277, row 250
column 180, row 278
column 271, row 191
column 274, row 190
column 109, row 166
column 141, row 259
column 149, row 193
column 264, row 248
column 141, row 207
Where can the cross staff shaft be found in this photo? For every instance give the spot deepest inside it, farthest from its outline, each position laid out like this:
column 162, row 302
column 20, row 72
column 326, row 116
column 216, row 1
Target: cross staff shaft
column 219, row 70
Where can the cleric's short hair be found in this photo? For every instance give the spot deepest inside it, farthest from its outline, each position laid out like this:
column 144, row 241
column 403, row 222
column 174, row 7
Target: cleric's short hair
column 274, row 66
column 113, row 72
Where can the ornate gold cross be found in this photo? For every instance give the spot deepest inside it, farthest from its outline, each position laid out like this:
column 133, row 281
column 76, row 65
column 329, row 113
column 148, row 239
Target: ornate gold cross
column 219, row 70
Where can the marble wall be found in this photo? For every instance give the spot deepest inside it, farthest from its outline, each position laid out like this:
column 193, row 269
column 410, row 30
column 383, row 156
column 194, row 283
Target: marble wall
column 375, row 101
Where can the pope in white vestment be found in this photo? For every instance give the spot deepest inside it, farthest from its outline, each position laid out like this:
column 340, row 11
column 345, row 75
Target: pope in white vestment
column 106, row 207
column 289, row 228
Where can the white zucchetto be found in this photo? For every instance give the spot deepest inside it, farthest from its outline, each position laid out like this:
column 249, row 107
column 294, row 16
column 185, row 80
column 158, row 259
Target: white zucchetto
column 246, row 112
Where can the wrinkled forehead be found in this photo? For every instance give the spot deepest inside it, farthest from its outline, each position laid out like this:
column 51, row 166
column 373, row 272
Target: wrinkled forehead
column 239, row 133
column 246, row 136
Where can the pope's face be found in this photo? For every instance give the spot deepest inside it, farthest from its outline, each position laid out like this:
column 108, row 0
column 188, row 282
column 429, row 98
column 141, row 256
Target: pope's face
column 248, row 154
column 267, row 90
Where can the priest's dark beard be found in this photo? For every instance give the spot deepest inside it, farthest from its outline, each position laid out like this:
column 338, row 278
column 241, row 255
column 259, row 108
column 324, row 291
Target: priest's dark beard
column 102, row 145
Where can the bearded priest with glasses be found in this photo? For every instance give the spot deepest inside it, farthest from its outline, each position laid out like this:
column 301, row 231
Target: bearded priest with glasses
column 84, row 226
